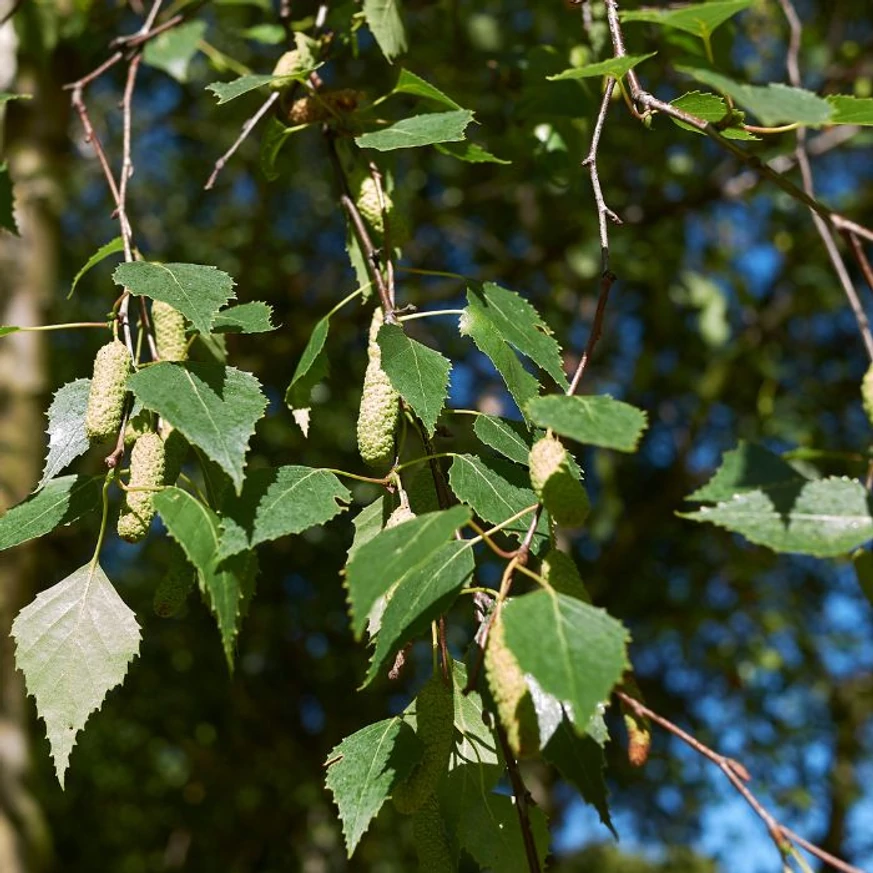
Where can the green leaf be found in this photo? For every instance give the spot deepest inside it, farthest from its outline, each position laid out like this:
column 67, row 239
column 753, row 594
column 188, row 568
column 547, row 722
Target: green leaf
column 173, row 50
column 851, row 110
column 519, row 324
column 215, row 407
column 580, row 760
column 66, row 428
column 227, row 91
column 496, row 491
column 383, row 19
column 274, row 137
column 596, row 420
column 469, row 152
column 364, row 769
column 510, row 438
column 113, row 246
column 195, row 528
column 279, row 502
column 6, row 329
column 379, row 564
column 486, row 824
column 5, row 97
column 614, row 67
column 575, row 651
column 826, row 517
column 773, row 104
column 7, row 217
column 61, row 501
column 420, row 130
column 699, row 19
column 420, row 596
column 73, row 643
column 268, row 34
column 312, row 367
column 476, row 739
column 254, row 317
column 368, row 522
column 419, row 374
column 712, row 108
column 196, row 290
column 746, row 468
column 409, row 83
column 521, row 384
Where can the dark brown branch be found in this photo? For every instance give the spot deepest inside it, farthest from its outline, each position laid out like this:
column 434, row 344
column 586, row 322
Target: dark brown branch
column 739, row 776
column 606, row 283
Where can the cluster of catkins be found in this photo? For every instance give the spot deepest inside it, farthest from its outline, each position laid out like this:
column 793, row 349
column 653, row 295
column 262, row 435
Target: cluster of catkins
column 155, row 458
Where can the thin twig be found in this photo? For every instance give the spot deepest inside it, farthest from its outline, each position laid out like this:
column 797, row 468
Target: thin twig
column 738, row 776
column 247, row 128
column 802, row 157
column 606, row 283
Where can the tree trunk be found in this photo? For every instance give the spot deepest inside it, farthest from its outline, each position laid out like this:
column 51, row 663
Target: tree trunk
column 28, row 277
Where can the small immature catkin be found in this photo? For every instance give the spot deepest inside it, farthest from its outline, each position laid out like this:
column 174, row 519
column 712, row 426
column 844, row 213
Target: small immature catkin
column 554, row 483
column 369, row 205
column 175, row 585
column 380, row 407
column 560, row 571
column 108, row 388
column 326, row 106
column 147, row 468
column 431, row 842
column 867, row 393
column 511, row 694
column 435, row 726
column 169, row 325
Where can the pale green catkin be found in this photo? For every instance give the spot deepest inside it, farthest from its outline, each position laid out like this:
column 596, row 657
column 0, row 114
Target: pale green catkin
column 552, row 479
column 108, row 389
column 169, row 327
column 380, row 407
column 147, row 469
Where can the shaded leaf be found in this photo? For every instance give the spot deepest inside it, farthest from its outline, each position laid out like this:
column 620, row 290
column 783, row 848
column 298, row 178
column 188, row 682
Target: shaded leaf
column 575, row 651
column 6, row 329
column 7, row 218
column 364, row 769
column 173, row 50
column 419, row 374
column 510, row 438
column 367, row 523
column 274, row 138
column 254, row 317
column 469, row 152
column 420, row 596
column 279, row 502
column 699, row 19
column 851, row 110
column 712, row 108
column 383, row 19
column 420, row 130
column 773, row 104
column 615, row 67
column 475, row 741
column 825, row 517
column 379, row 564
column 496, row 491
column 73, row 643
column 214, row 407
column 596, row 420
column 113, row 246
column 409, row 83
column 61, row 501
column 66, row 428
column 312, row 367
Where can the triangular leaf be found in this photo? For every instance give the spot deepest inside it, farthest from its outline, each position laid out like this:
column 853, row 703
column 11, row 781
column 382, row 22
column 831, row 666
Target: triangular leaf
column 279, row 502
column 596, row 420
column 196, row 290
column 712, row 108
column 615, row 67
column 469, row 153
column 383, row 19
column 420, row 597
column 215, row 407
column 409, row 83
column 61, row 501
column 825, row 517
column 419, row 374
column 364, row 769
column 496, row 491
column 510, row 438
column 73, row 644
column 66, row 427
column 519, row 324
column 420, row 130
column 173, row 50
column 380, row 563
column 575, row 651
column 699, row 19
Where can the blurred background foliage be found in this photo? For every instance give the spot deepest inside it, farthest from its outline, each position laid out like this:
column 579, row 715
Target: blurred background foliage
column 726, row 324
